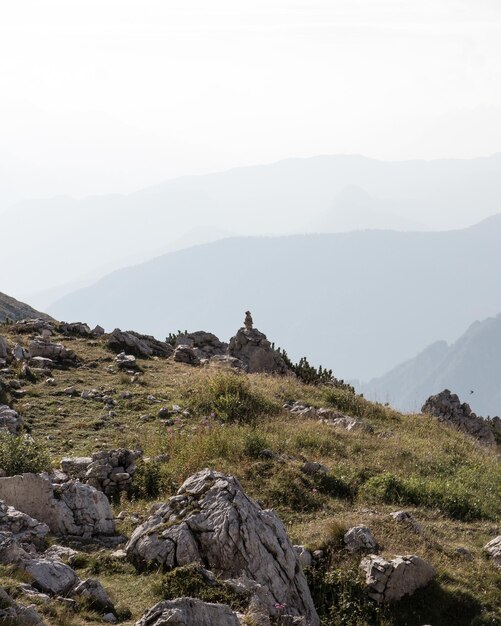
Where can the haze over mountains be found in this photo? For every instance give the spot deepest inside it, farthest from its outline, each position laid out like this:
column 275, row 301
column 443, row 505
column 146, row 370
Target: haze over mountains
column 86, row 238
column 357, row 302
column 470, row 364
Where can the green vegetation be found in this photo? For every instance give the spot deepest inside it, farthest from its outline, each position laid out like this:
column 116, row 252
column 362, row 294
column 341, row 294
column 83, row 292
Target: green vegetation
column 22, row 454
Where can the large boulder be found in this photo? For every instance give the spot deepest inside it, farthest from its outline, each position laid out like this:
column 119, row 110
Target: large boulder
column 71, row 508
column 10, row 420
column 189, row 612
column 493, row 550
column 447, row 407
column 389, row 581
column 204, row 344
column 13, row 613
column 252, row 347
column 139, row 345
column 212, row 521
column 50, row 576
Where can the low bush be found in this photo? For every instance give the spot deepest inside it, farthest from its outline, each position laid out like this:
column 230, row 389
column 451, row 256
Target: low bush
column 230, row 398
column 22, row 454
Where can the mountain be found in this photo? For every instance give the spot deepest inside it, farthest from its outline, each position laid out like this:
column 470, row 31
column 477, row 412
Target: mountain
column 357, row 302
column 472, row 363
column 13, row 310
column 287, row 197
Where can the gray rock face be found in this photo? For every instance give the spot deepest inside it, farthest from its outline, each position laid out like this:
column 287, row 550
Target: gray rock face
column 204, row 344
column 48, row 350
column 94, row 593
column 76, row 329
column 447, row 407
column 143, row 346
column 404, row 517
column 389, row 581
column 359, row 539
column 111, row 471
column 21, row 525
column 252, row 347
column 212, row 521
column 493, row 550
column 10, row 419
column 3, row 348
column 189, row 612
column 75, row 509
column 126, row 361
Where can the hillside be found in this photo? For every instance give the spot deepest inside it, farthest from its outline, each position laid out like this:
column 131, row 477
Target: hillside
column 472, row 363
column 12, row 309
column 186, row 418
column 358, row 302
column 291, row 196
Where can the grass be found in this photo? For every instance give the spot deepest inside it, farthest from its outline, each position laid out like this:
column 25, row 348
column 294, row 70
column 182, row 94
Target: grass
column 450, row 484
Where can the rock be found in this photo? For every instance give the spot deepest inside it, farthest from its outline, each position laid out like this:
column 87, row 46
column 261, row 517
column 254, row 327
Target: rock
column 68, row 509
column 53, row 577
column 403, row 517
column 75, row 467
column 3, row 348
column 389, row 581
column 98, row 331
column 223, row 361
column 350, row 423
column 447, row 407
column 11, row 551
column 54, row 351
column 312, row 467
column 111, row 471
column 126, row 361
column 22, row 526
column 304, row 555
column 464, row 553
column 10, row 419
column 76, row 329
column 94, row 594
column 20, row 353
column 189, row 612
column 143, row 346
column 212, row 521
column 60, row 553
column 493, row 550
column 252, row 347
column 186, row 354
column 359, row 539
column 205, row 345
column 110, row 618
column 17, row 614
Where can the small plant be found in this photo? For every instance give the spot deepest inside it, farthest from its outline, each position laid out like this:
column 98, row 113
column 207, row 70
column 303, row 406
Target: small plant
column 172, row 337
column 20, row 454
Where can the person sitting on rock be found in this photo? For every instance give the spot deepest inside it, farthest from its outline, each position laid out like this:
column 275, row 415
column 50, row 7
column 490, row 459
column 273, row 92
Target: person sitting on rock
column 248, row 320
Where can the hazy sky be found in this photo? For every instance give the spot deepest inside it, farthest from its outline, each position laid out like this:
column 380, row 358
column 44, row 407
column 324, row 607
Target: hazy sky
column 111, row 95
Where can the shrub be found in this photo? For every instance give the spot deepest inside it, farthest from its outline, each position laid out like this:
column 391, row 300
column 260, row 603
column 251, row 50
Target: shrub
column 254, row 443
column 22, row 454
column 150, row 480
column 194, row 582
column 347, row 401
column 230, row 398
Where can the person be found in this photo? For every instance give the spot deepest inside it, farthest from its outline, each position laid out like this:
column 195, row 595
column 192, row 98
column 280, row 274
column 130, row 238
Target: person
column 248, row 320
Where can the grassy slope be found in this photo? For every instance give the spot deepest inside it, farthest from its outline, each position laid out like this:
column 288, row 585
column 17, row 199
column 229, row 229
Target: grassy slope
column 448, row 483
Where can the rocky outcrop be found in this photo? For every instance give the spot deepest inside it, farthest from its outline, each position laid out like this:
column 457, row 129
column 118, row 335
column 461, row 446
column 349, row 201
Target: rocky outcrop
column 389, row 581
column 205, row 345
column 252, row 347
column 111, row 471
column 493, row 550
column 143, row 346
column 13, row 613
column 22, row 526
column 10, row 419
column 447, row 407
column 359, row 539
column 189, row 612
column 3, row 348
column 212, row 521
column 186, row 354
column 71, row 508
column 126, row 361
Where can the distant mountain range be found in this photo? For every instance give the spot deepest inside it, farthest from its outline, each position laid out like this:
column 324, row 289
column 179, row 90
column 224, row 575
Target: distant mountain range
column 12, row 309
column 470, row 364
column 95, row 235
column 357, row 302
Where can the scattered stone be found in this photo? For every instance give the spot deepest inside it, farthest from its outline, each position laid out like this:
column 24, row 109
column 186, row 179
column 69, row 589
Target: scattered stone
column 350, row 423
column 126, row 361
column 10, row 419
column 359, row 539
column 56, row 352
column 75, row 329
column 223, row 361
column 204, row 344
column 447, row 407
column 389, row 581
column 60, row 553
column 212, row 521
column 404, row 517
column 312, row 467
column 493, row 550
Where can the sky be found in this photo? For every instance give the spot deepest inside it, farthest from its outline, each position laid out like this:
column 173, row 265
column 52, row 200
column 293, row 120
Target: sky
column 104, row 96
